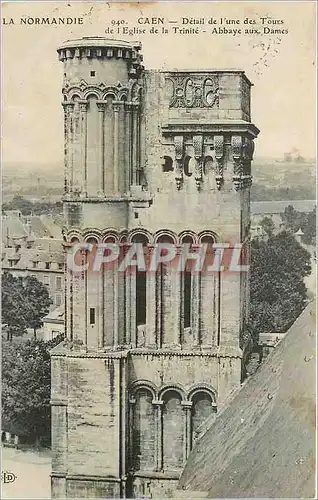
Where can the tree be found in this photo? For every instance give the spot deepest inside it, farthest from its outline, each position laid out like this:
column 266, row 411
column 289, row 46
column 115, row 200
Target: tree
column 38, row 302
column 309, row 228
column 19, row 203
column 277, row 290
column 25, row 301
column 268, row 226
column 26, row 386
column 13, row 306
column 294, row 220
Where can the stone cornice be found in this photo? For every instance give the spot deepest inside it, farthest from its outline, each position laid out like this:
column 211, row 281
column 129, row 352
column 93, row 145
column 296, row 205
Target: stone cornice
column 216, row 127
column 214, row 352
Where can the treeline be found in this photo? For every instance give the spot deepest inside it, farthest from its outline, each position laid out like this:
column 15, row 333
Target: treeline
column 27, row 207
column 260, row 192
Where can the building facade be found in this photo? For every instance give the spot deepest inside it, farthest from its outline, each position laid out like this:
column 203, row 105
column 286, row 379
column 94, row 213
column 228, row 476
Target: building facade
column 150, row 157
column 31, row 246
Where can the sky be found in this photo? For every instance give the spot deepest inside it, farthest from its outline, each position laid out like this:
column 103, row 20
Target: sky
column 281, row 67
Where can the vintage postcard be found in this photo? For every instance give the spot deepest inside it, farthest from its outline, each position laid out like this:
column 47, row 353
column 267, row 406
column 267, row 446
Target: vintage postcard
column 158, row 249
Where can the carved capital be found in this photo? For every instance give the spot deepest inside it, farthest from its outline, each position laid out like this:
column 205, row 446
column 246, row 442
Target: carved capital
column 67, row 105
column 101, row 105
column 83, row 105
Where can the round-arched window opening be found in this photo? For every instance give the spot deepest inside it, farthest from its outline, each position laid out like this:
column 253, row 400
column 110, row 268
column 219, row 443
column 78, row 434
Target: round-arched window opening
column 209, row 241
column 187, row 239
column 165, row 238
column 188, row 166
column 168, row 164
column 140, row 238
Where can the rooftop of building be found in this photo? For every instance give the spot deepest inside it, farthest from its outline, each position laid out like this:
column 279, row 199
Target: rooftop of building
column 262, row 443
column 55, row 316
column 98, row 41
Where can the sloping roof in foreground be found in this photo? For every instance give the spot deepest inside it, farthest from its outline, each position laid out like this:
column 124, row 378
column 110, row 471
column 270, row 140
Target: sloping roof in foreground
column 263, row 443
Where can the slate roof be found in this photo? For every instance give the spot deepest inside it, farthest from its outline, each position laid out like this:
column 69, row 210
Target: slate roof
column 262, row 444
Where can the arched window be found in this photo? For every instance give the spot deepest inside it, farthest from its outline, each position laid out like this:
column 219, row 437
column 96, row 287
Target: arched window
column 141, row 290
column 92, row 151
column 202, row 408
column 165, row 296
column 143, row 432
column 209, row 296
column 168, row 164
column 187, row 286
column 173, row 431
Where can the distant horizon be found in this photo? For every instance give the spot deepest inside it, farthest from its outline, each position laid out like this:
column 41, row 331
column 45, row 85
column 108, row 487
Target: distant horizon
column 257, row 158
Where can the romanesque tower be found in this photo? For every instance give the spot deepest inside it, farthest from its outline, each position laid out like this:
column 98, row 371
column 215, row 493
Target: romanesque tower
column 150, row 156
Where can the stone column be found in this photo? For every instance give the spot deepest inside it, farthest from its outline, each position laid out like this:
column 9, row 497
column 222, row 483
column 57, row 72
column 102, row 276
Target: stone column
column 151, row 312
column 83, row 143
column 195, row 316
column 187, row 406
column 230, row 308
column 135, row 142
column 128, row 150
column 159, row 447
column 68, row 293
column 78, row 320
column 116, row 332
column 68, row 107
column 128, row 307
column 177, row 301
column 116, row 147
column 101, row 110
column 133, row 325
column 131, row 411
column 101, row 307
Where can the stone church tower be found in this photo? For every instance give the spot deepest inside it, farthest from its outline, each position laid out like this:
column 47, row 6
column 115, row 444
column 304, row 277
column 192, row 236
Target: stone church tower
column 150, row 156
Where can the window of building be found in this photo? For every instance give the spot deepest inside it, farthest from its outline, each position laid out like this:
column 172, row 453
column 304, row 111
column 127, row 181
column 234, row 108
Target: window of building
column 58, row 300
column 173, row 431
column 46, row 280
column 60, row 265
column 54, row 333
column 168, row 164
column 202, row 407
column 143, row 432
column 47, row 265
column 141, row 297
column 58, row 283
column 93, row 73
column 92, row 316
column 35, row 264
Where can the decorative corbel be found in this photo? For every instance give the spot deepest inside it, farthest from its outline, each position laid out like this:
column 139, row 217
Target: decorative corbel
column 178, row 144
column 237, row 155
column 219, row 159
column 198, row 152
column 248, row 151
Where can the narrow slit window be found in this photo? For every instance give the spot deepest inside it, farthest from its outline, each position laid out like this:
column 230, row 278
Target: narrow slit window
column 141, row 280
column 187, row 299
column 92, row 316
